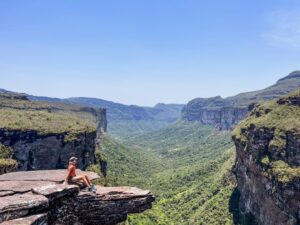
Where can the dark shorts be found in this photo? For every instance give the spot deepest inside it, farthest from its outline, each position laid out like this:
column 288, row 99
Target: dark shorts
column 70, row 180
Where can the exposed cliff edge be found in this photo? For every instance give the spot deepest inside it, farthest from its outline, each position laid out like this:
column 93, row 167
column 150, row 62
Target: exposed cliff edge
column 40, row 198
column 268, row 162
column 226, row 113
column 41, row 135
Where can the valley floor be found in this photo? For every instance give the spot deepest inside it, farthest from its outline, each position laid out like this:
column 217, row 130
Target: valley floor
column 186, row 165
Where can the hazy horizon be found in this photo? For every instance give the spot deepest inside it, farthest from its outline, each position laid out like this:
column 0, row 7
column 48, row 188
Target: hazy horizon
column 135, row 104
column 146, row 52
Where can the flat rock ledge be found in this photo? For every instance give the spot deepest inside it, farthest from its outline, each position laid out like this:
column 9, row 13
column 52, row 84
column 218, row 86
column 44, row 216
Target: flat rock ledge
column 40, row 198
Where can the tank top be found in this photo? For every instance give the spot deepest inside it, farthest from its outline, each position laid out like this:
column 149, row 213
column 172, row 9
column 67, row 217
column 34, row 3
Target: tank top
column 72, row 170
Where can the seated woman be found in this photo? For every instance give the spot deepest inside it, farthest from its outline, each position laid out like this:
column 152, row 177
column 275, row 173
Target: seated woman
column 71, row 177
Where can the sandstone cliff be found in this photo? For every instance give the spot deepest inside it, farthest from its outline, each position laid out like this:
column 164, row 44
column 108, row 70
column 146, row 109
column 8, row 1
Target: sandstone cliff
column 226, row 113
column 45, row 135
column 268, row 162
column 50, row 151
column 213, row 111
column 40, row 198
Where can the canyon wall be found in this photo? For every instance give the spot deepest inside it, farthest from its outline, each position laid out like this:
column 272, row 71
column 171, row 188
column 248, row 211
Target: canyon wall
column 268, row 163
column 33, row 151
column 222, row 117
column 45, row 135
column 226, row 113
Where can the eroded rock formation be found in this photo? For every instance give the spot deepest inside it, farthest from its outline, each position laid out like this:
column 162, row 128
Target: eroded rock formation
column 45, row 135
column 222, row 116
column 226, row 113
column 40, row 198
column 268, row 163
column 49, row 151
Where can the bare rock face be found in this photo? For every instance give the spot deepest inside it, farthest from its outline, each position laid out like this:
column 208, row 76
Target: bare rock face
column 214, row 111
column 109, row 206
column 40, row 198
column 34, row 152
column 268, row 163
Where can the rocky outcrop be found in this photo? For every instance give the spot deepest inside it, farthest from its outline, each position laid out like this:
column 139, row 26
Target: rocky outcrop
column 226, row 113
column 40, row 198
column 268, row 163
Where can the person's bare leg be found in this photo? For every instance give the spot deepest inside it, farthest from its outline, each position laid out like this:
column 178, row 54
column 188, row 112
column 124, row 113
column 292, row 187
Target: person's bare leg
column 79, row 178
column 88, row 179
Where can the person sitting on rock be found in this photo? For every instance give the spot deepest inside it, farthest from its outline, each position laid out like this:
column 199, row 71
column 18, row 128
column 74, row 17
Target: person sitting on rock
column 72, row 178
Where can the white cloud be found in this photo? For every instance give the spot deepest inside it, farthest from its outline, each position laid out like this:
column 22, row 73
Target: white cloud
column 283, row 28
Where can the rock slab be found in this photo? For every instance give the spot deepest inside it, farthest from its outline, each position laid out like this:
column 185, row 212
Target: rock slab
column 40, row 198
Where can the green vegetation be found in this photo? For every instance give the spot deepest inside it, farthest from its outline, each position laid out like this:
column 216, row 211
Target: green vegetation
column 126, row 165
column 44, row 122
column 280, row 170
column 283, row 172
column 123, row 129
column 272, row 116
column 17, row 113
column 265, row 161
column 128, row 120
column 7, row 164
column 5, row 152
column 279, row 118
column 186, row 165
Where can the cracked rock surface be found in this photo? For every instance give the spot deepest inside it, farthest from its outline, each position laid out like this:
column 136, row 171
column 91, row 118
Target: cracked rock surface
column 40, row 198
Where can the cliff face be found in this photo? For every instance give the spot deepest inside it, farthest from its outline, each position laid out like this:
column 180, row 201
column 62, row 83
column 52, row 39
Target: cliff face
column 268, row 162
column 40, row 198
column 51, row 151
column 222, row 117
column 45, row 135
column 226, row 113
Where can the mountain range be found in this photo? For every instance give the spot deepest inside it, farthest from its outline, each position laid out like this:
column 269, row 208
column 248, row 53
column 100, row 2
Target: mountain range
column 225, row 113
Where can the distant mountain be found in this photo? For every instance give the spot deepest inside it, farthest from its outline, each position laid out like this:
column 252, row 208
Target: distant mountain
column 4, row 91
column 126, row 120
column 225, row 113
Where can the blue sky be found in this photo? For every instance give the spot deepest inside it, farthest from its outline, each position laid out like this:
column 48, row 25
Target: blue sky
column 147, row 51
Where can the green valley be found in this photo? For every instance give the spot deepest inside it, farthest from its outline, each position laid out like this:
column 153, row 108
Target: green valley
column 187, row 166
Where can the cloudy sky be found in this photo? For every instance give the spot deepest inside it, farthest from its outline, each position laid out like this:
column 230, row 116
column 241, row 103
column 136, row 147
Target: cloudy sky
column 147, row 51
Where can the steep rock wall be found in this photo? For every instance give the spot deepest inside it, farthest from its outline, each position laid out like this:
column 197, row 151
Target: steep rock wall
column 33, row 151
column 45, row 135
column 268, row 163
column 223, row 118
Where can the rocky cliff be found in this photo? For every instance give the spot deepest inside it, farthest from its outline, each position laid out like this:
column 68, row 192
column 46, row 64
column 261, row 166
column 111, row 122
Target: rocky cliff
column 40, row 198
column 226, row 113
column 268, row 162
column 44, row 135
column 213, row 111
column 33, row 151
